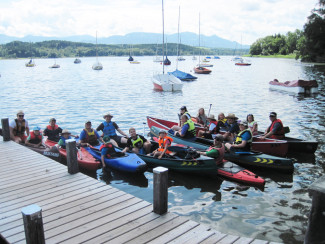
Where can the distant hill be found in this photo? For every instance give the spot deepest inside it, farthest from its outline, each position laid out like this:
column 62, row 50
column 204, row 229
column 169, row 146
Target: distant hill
column 187, row 38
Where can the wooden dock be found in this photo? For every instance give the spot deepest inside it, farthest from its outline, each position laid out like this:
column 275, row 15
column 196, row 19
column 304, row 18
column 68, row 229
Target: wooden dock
column 77, row 208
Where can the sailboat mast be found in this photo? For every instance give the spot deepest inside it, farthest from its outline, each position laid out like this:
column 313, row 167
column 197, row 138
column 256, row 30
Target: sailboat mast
column 179, row 14
column 163, row 41
column 96, row 49
column 199, row 39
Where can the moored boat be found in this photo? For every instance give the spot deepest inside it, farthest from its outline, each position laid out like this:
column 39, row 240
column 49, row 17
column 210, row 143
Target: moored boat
column 77, row 61
column 201, row 70
column 183, row 75
column 166, row 82
column 295, row 86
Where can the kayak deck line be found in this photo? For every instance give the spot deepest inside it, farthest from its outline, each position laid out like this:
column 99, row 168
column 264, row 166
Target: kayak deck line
column 77, row 208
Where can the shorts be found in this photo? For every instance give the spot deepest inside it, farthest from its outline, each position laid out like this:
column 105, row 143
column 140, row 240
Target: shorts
column 117, row 138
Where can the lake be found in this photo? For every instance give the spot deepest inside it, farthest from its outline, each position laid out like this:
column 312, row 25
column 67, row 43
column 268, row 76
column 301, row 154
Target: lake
column 75, row 93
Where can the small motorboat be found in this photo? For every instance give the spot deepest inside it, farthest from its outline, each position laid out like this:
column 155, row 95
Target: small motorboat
column 296, row 86
column 201, row 70
column 241, row 62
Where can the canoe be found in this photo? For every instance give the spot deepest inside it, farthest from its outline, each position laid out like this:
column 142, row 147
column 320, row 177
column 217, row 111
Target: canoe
column 268, row 146
column 85, row 159
column 254, row 159
column 185, row 162
column 130, row 162
column 295, row 86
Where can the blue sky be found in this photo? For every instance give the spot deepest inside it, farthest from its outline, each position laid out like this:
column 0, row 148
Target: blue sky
column 235, row 20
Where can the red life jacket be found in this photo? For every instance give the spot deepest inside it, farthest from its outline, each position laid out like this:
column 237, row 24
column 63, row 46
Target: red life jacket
column 110, row 151
column 221, row 151
column 277, row 134
column 162, row 143
column 49, row 127
column 215, row 130
column 35, row 139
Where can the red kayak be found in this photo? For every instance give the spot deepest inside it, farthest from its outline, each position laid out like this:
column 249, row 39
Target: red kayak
column 85, row 159
column 268, row 146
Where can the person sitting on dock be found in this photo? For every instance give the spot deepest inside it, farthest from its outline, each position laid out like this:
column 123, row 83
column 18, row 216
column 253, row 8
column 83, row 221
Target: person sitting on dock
column 252, row 124
column 18, row 127
column 52, row 131
column 107, row 150
column 183, row 111
column 164, row 142
column 65, row 135
column 244, row 139
column 137, row 143
column 231, row 127
column 213, row 128
column 188, row 129
column 89, row 136
column 217, row 150
column 35, row 138
column 275, row 130
column 109, row 128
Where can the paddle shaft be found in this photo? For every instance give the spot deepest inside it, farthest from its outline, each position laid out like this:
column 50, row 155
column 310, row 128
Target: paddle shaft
column 209, row 110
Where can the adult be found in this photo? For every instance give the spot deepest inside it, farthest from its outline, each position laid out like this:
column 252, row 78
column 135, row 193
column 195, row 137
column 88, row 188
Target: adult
column 275, row 130
column 213, row 128
column 137, row 143
column 244, row 139
column 183, row 111
column 35, row 138
column 231, row 127
column 52, row 131
column 109, row 128
column 188, row 129
column 217, row 150
column 65, row 135
column 19, row 128
column 89, row 136
column 201, row 117
column 107, row 150
column 164, row 142
column 221, row 120
column 252, row 124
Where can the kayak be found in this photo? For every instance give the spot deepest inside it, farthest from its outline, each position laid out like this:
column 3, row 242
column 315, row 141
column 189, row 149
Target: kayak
column 130, row 162
column 85, row 159
column 268, row 146
column 255, row 159
column 189, row 161
column 52, row 153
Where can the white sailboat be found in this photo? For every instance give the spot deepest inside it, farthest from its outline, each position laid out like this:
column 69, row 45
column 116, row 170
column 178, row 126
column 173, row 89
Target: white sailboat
column 97, row 65
column 55, row 65
column 166, row 82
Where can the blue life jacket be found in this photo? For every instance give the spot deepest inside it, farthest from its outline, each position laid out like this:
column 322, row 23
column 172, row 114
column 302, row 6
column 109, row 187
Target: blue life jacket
column 109, row 129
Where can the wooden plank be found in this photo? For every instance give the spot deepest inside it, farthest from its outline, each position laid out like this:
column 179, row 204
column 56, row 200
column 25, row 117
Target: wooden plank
column 229, row 239
column 259, row 242
column 244, row 240
column 214, row 238
column 196, row 235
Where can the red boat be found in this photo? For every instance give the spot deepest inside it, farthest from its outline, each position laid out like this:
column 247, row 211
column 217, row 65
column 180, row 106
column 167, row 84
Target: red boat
column 85, row 159
column 267, row 146
column 243, row 64
column 201, row 70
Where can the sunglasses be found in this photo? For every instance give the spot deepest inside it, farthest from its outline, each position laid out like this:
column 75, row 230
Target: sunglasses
column 21, row 116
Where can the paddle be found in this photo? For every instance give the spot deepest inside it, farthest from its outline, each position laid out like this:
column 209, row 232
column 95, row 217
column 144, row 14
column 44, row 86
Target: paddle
column 209, row 109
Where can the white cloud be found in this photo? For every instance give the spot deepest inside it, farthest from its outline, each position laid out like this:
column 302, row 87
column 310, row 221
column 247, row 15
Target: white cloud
column 232, row 19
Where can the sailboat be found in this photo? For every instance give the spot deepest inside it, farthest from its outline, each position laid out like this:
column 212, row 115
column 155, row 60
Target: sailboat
column 131, row 59
column 167, row 61
column 77, row 60
column 199, row 69
column 157, row 59
column 165, row 82
column 31, row 62
column 97, row 65
column 241, row 61
column 177, row 73
column 55, row 65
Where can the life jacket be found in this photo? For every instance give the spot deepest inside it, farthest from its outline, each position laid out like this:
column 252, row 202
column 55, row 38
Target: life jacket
column 19, row 130
column 221, row 151
column 191, row 132
column 35, row 139
column 277, row 134
column 53, row 133
column 162, row 143
column 111, row 150
column 249, row 142
column 91, row 137
column 137, row 143
column 63, row 140
column 215, row 130
column 187, row 114
column 109, row 129
column 49, row 127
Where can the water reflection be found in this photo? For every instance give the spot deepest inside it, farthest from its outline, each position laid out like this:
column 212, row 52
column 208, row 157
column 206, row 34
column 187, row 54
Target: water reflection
column 117, row 177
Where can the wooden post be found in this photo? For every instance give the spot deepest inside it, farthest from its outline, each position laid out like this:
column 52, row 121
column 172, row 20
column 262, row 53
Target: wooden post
column 315, row 230
column 160, row 190
column 33, row 224
column 72, row 160
column 5, row 129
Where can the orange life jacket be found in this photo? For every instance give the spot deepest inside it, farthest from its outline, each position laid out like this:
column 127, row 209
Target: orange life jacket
column 49, row 127
column 162, row 144
column 35, row 139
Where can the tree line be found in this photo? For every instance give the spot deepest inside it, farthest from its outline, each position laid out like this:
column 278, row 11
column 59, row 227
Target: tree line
column 61, row 49
column 307, row 44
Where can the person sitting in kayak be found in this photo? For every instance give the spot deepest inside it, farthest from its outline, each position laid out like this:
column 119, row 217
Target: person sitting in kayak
column 252, row 124
column 18, row 127
column 35, row 138
column 201, row 118
column 137, row 143
column 109, row 128
column 108, row 150
column 89, row 136
column 183, row 111
column 244, row 139
column 188, row 129
column 231, row 127
column 221, row 120
column 217, row 150
column 213, row 128
column 52, row 131
column 275, row 130
column 164, row 142
column 65, row 135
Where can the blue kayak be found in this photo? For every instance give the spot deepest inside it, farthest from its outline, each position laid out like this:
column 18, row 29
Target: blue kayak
column 129, row 162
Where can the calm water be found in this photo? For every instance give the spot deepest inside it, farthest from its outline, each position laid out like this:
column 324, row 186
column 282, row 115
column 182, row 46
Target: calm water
column 75, row 93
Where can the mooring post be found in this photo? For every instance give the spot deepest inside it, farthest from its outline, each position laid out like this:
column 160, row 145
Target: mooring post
column 160, row 190
column 72, row 160
column 316, row 223
column 5, row 129
column 33, row 224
